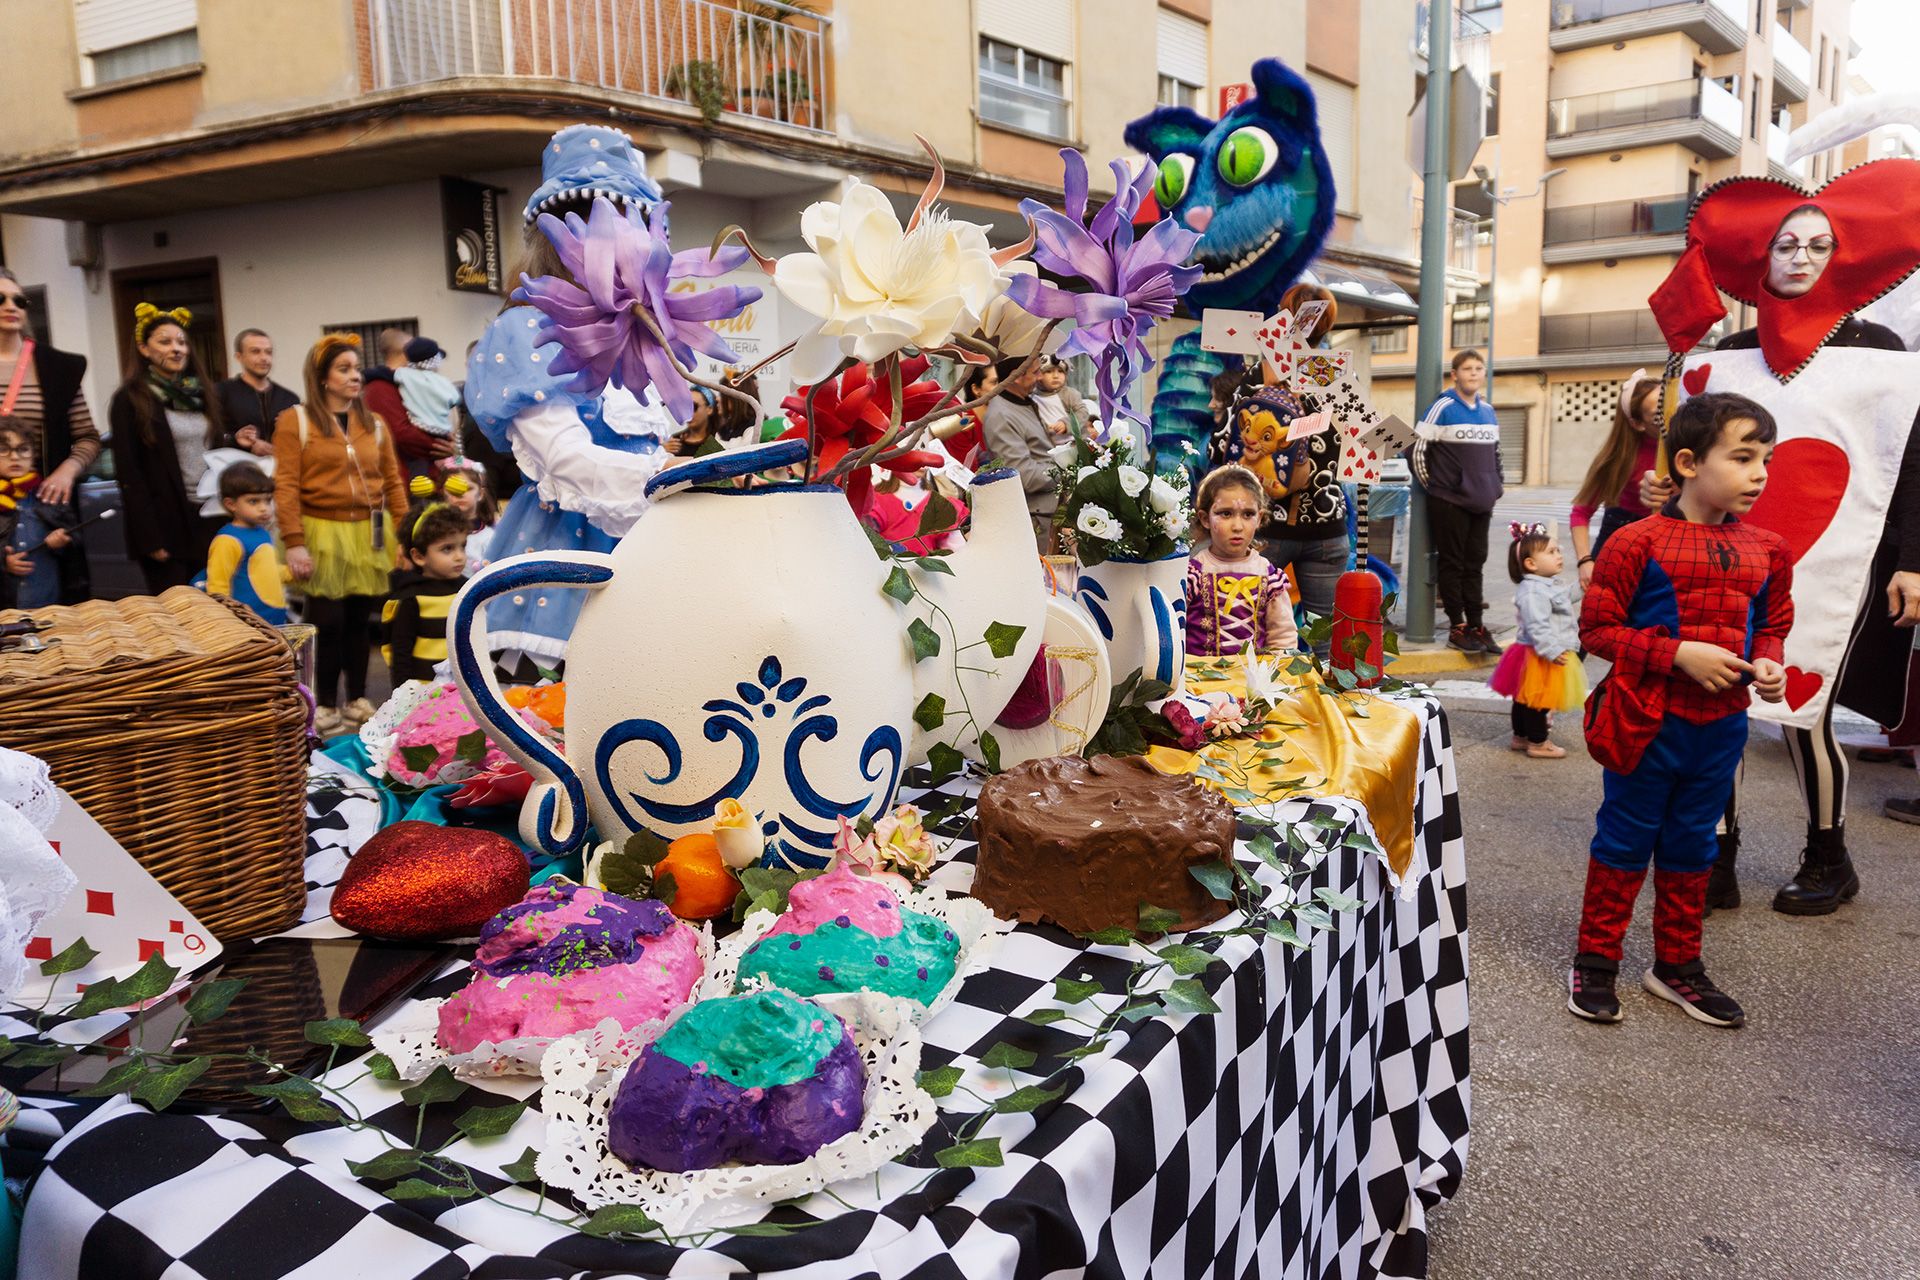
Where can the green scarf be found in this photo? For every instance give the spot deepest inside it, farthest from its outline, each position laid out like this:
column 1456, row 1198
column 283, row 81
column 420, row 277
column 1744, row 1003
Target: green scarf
column 182, row 395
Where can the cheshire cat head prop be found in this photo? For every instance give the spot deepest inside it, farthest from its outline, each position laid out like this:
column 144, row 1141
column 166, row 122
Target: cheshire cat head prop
column 1256, row 185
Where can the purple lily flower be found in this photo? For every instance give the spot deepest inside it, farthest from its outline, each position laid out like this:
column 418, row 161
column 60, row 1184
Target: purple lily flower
column 624, row 262
column 1130, row 285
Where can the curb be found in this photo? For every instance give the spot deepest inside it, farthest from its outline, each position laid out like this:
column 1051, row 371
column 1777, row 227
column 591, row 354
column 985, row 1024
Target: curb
column 1423, row 662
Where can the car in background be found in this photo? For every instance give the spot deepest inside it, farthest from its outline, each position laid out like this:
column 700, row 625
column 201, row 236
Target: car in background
column 114, row 575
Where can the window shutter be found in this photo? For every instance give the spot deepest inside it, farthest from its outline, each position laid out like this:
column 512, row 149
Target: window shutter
column 1335, row 104
column 111, row 24
column 1183, row 48
column 1044, row 26
column 1513, row 444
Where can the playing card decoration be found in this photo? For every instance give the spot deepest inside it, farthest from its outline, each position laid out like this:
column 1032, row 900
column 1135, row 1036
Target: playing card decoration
column 1230, row 332
column 1278, row 348
column 1316, row 371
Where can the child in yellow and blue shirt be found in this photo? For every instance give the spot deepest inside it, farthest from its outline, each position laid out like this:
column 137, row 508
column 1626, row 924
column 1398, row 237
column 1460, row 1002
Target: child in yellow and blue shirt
column 242, row 563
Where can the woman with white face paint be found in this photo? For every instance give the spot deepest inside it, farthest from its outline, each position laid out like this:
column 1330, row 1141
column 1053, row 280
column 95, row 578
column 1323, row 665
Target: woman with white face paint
column 1873, row 673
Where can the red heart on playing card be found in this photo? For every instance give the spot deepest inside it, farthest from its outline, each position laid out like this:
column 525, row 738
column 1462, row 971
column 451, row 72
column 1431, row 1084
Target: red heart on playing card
column 1805, row 482
column 1801, row 686
column 1695, row 379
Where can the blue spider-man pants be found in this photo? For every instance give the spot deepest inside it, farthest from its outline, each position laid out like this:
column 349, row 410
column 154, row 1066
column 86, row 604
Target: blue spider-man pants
column 1666, row 809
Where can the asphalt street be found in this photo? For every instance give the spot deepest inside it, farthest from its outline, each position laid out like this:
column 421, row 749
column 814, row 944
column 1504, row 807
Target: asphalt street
column 1660, row 1147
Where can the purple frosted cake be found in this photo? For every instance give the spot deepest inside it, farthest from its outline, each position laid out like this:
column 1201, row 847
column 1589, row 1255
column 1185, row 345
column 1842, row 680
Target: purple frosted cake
column 765, row 1078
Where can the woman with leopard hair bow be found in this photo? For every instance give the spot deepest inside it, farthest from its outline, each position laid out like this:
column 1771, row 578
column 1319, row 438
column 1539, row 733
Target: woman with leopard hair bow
column 163, row 424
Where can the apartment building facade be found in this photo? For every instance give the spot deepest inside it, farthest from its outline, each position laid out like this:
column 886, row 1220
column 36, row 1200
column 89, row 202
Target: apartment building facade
column 1607, row 118
column 296, row 165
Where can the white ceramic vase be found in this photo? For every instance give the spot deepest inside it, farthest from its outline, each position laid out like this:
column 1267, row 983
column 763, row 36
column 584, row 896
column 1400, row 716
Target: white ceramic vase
column 1140, row 607
column 737, row 645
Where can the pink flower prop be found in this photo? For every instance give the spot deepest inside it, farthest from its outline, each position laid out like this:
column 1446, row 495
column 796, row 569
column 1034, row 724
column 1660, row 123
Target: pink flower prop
column 504, row 783
column 1191, row 734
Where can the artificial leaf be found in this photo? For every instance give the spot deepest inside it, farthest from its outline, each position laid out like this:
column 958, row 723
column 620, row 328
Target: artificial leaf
column 1028, row 1097
column 932, row 564
column 1142, row 1010
column 1003, row 1054
column 665, row 887
column 646, row 848
column 990, row 751
column 489, row 1122
column 210, row 999
column 1002, row 639
column 1086, row 1050
column 940, row 1081
column 931, row 713
column 944, row 762
column 419, row 759
column 40, row 1055
column 926, row 641
column 1188, row 996
column 381, row 1067
column 388, row 1164
column 420, row 1189
column 120, row 1079
column 937, row 516
column 6, row 1048
column 900, row 586
column 146, row 982
column 98, row 998
column 312, row 1110
column 522, row 1170
column 1285, row 932
column 343, row 1033
column 1074, row 990
column 1313, row 916
column 1044, row 1017
column 440, row 1086
column 290, row 1087
column 471, row 747
column 1157, row 919
column 619, row 1220
column 762, row 1229
column 981, row 1153
column 1216, row 877
column 1112, row 936
column 161, row 1089
column 1336, row 900
column 1151, row 690
column 77, row 956
column 1187, row 960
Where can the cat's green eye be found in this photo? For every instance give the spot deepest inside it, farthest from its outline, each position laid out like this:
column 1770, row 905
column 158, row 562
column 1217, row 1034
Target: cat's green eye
column 1176, row 171
column 1247, row 155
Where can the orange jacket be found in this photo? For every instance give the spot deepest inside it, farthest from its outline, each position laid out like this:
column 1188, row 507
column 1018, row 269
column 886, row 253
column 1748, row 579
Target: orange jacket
column 319, row 479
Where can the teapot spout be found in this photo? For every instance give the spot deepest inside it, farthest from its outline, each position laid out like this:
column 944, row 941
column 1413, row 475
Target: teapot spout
column 995, row 579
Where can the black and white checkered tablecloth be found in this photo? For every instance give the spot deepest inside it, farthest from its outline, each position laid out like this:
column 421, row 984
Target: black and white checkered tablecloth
column 1305, row 1130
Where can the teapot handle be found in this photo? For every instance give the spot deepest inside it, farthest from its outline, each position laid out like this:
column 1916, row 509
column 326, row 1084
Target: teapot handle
column 555, row 818
column 1067, row 620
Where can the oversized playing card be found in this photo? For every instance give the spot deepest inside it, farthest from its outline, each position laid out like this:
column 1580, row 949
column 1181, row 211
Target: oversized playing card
column 1277, row 346
column 118, row 907
column 1307, row 318
column 1234, row 332
column 1315, row 372
column 1307, row 424
column 1389, row 436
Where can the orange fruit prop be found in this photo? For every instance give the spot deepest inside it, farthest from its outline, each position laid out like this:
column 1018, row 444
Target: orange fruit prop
column 517, row 695
column 549, row 702
column 703, row 886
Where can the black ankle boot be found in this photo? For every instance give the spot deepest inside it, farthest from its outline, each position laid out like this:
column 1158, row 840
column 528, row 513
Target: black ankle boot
column 1825, row 879
column 1723, row 890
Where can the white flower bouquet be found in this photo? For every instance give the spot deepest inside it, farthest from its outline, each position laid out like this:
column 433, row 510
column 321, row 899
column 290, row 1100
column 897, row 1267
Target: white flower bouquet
column 1116, row 505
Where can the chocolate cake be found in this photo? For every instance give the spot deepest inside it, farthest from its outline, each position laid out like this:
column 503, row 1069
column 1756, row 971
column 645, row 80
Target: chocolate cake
column 1087, row 843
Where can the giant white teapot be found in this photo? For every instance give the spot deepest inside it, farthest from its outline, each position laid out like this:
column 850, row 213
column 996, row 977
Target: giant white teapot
column 738, row 645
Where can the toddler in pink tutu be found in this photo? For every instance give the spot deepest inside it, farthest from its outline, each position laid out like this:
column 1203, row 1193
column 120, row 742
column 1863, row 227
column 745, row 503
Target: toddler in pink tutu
column 1541, row 670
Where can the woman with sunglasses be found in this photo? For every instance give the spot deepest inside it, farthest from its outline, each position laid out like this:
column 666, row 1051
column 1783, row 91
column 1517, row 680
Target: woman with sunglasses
column 1875, row 669
column 41, row 389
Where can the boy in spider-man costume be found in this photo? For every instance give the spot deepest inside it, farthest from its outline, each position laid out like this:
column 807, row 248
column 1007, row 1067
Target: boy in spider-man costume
column 1691, row 606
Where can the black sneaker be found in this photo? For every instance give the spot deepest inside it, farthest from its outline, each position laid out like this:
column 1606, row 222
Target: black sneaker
column 1903, row 810
column 1460, row 636
column 1485, row 641
column 1590, row 989
column 1688, row 986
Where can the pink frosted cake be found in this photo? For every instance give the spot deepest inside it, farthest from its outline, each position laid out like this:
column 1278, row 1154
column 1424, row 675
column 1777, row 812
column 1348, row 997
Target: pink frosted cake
column 565, row 957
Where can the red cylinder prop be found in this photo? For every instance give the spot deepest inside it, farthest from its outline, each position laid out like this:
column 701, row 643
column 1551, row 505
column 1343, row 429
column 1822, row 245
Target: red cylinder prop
column 1357, row 612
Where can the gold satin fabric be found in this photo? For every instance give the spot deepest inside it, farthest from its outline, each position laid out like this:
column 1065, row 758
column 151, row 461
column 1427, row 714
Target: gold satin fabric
column 1364, row 747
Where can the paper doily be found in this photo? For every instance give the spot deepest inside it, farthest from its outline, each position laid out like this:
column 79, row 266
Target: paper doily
column 410, row 1039
column 974, row 926
column 576, row 1095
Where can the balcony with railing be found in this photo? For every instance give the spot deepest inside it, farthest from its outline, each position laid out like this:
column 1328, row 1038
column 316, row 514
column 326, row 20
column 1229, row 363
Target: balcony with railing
column 1792, row 67
column 1614, row 229
column 1799, row 171
column 764, row 59
column 1605, row 337
column 1696, row 113
column 1718, row 26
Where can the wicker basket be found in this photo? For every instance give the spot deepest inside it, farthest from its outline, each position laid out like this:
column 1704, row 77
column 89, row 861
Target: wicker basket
column 177, row 722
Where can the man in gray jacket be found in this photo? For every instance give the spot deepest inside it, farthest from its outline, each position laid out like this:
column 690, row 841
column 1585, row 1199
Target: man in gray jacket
column 1014, row 436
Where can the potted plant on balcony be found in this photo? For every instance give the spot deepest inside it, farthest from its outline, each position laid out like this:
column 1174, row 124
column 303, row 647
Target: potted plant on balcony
column 792, row 95
column 762, row 47
column 701, row 84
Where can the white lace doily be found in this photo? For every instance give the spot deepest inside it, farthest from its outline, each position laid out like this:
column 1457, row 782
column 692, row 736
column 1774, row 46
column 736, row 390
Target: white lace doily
column 974, row 926
column 382, row 729
column 576, row 1096
column 410, row 1038
column 34, row 882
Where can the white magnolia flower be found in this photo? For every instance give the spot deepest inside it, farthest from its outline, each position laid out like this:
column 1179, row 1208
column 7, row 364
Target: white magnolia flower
column 1132, row 480
column 1014, row 331
column 878, row 287
column 1098, row 522
column 1162, row 496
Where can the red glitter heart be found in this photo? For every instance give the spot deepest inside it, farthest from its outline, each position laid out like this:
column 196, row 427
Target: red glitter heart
column 1695, row 379
column 419, row 881
column 1801, row 686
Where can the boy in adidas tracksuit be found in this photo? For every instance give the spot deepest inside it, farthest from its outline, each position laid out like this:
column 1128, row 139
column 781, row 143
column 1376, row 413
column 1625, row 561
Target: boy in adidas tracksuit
column 1457, row 461
column 1691, row 606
